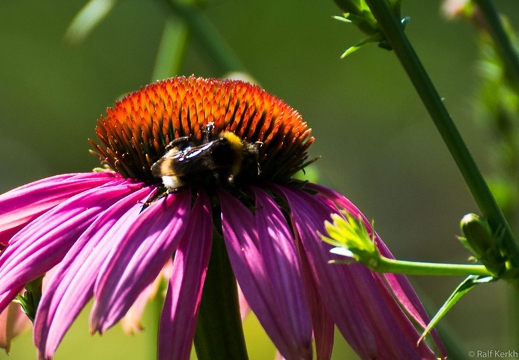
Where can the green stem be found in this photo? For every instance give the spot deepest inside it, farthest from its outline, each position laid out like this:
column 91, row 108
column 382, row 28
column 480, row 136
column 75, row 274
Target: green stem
column 386, row 265
column 501, row 39
column 152, row 331
column 219, row 332
column 201, row 27
column 172, row 49
column 394, row 34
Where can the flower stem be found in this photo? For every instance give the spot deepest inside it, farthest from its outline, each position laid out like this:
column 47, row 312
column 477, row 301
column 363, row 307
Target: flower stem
column 385, row 265
column 502, row 41
column 219, row 332
column 203, row 30
column 394, row 35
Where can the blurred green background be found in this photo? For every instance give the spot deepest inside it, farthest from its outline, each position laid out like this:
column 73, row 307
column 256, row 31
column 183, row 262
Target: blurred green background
column 378, row 145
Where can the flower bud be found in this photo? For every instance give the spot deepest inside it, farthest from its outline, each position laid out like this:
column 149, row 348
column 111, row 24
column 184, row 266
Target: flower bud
column 482, row 243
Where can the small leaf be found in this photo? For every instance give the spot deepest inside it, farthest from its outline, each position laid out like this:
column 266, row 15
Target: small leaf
column 377, row 38
column 31, row 298
column 342, row 18
column 460, row 291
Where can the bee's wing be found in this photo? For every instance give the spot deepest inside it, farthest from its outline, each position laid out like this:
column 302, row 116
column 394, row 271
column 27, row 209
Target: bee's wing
column 183, row 162
column 193, row 159
column 179, row 143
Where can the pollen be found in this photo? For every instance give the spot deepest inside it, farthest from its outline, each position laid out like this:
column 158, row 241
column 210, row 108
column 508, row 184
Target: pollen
column 134, row 133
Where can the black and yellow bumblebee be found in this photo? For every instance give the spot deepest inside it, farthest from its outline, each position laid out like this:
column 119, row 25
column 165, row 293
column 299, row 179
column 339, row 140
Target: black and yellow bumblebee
column 223, row 160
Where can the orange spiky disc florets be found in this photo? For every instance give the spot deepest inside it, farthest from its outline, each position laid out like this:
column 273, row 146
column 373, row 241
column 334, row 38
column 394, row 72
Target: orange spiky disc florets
column 135, row 132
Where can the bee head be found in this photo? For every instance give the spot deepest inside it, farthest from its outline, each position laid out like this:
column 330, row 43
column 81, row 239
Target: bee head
column 208, row 132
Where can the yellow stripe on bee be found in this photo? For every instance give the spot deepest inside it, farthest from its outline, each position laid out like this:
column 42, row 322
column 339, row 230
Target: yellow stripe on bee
column 237, row 149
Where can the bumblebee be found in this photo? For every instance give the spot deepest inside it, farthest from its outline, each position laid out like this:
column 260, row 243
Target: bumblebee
column 221, row 161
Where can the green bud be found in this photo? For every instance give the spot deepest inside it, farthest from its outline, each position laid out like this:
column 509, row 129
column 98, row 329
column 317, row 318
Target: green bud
column 482, row 243
column 477, row 233
column 358, row 13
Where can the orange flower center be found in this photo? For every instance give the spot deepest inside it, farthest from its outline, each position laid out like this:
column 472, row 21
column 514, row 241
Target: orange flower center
column 135, row 133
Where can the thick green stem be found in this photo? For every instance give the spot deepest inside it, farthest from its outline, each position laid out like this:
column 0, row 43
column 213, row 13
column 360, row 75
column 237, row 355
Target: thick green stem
column 394, row 35
column 219, row 332
column 208, row 36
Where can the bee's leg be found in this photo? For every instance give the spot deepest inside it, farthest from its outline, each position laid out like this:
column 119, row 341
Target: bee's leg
column 158, row 195
column 162, row 193
column 257, row 145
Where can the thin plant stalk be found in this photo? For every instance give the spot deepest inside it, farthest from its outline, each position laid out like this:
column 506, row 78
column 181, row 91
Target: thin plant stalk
column 394, row 35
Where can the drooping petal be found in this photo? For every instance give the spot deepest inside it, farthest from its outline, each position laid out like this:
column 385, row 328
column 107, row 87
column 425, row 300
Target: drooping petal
column 8, row 296
column 71, row 286
column 323, row 325
column 21, row 205
column 131, row 321
column 13, row 322
column 364, row 311
column 138, row 259
column 244, row 305
column 178, row 320
column 45, row 241
column 281, row 259
column 241, row 239
column 399, row 283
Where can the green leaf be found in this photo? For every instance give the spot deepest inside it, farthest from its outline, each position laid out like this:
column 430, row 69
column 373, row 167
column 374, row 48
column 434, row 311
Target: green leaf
column 31, row 297
column 171, row 49
column 461, row 290
column 87, row 19
column 375, row 38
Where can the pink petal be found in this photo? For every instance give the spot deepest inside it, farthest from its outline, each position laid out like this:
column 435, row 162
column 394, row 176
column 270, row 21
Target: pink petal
column 138, row 259
column 323, row 325
column 362, row 309
column 13, row 322
column 45, row 241
column 8, row 296
column 131, row 321
column 399, row 284
column 244, row 305
column 178, row 320
column 241, row 239
column 281, row 258
column 21, row 205
column 71, row 287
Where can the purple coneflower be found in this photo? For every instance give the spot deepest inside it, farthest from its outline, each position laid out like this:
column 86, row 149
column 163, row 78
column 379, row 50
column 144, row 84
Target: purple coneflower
column 108, row 235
